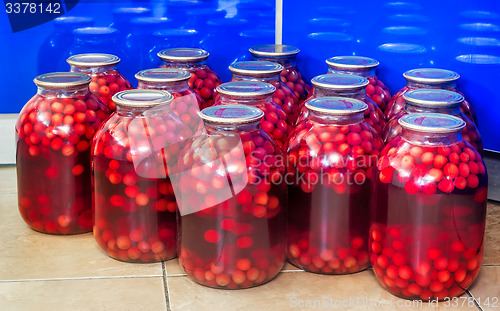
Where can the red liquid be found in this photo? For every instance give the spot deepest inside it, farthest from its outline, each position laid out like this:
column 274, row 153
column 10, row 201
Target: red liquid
column 53, row 162
column 426, row 238
column 296, row 82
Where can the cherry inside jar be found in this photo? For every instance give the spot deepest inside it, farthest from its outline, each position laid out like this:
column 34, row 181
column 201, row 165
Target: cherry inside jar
column 231, row 193
column 330, row 159
column 257, row 94
column 135, row 206
column 268, row 72
column 203, row 79
column 428, row 78
column 286, row 56
column 54, row 133
column 186, row 103
column 365, row 67
column 348, row 86
column 106, row 79
column 428, row 210
column 434, row 101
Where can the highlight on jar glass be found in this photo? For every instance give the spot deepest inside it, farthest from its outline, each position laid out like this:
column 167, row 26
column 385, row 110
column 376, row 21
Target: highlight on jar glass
column 434, row 101
column 429, row 78
column 284, row 55
column 428, row 210
column 203, row 80
column 186, row 103
column 53, row 135
column 106, row 79
column 330, row 160
column 231, row 194
column 268, row 72
column 257, row 94
column 365, row 67
column 135, row 206
column 348, row 86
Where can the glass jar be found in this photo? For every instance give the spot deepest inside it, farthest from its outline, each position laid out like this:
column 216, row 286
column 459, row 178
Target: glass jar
column 434, row 101
column 203, row 80
column 330, row 159
column 428, row 78
column 268, row 72
column 284, row 55
column 186, row 103
column 171, row 38
column 257, row 94
column 364, row 67
column 231, row 196
column 135, row 207
column 348, row 86
column 54, row 133
column 428, row 210
column 106, row 79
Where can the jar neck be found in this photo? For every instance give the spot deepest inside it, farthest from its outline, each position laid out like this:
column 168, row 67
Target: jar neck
column 431, row 139
column 365, row 73
column 418, row 109
column 356, row 94
column 218, row 128
column 323, row 118
column 91, row 70
column 242, row 100
column 284, row 61
column 422, row 85
column 177, row 86
column 124, row 110
column 184, row 64
column 80, row 90
column 263, row 78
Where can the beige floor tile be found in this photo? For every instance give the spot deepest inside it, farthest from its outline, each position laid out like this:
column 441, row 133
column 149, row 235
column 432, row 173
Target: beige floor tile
column 8, row 179
column 492, row 243
column 91, row 294
column 27, row 254
column 289, row 290
column 486, row 289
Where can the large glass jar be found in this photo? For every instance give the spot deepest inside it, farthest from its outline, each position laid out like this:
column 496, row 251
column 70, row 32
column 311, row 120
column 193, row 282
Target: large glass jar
column 171, row 38
column 268, row 72
column 330, row 159
column 231, row 194
column 257, row 94
column 428, row 210
column 54, row 133
column 135, row 206
column 434, row 101
column 428, row 78
column 286, row 56
column 106, row 79
column 186, row 103
column 364, row 67
column 203, row 80
column 349, row 86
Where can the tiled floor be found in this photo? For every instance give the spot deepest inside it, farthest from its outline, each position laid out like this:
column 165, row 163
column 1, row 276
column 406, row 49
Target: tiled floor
column 44, row 272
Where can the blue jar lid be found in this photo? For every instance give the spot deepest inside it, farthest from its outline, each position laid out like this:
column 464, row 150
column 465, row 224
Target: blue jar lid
column 431, row 75
column 432, row 123
column 93, row 60
column 352, row 62
column 150, row 20
column 175, row 32
column 479, row 59
column 277, row 50
column 340, row 81
column 246, row 88
column 142, row 98
column 336, row 105
column 183, row 55
column 330, row 36
column 95, row 31
column 405, row 30
column 255, row 68
column 227, row 22
column 434, row 98
column 74, row 21
column 328, row 22
column 59, row 80
column 131, row 11
column 231, row 114
column 402, row 48
column 163, row 75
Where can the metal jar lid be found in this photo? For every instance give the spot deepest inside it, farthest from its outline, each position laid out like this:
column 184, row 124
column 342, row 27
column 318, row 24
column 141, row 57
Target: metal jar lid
column 183, row 55
column 159, row 75
column 255, row 68
column 57, row 80
column 431, row 75
column 340, row 81
column 274, row 50
column 336, row 105
column 93, row 60
column 246, row 88
column 352, row 62
column 432, row 123
column 228, row 114
column 142, row 98
column 433, row 98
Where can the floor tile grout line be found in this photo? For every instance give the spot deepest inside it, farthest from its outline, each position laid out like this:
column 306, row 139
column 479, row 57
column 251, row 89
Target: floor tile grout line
column 83, row 278
column 165, row 285
column 475, row 301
